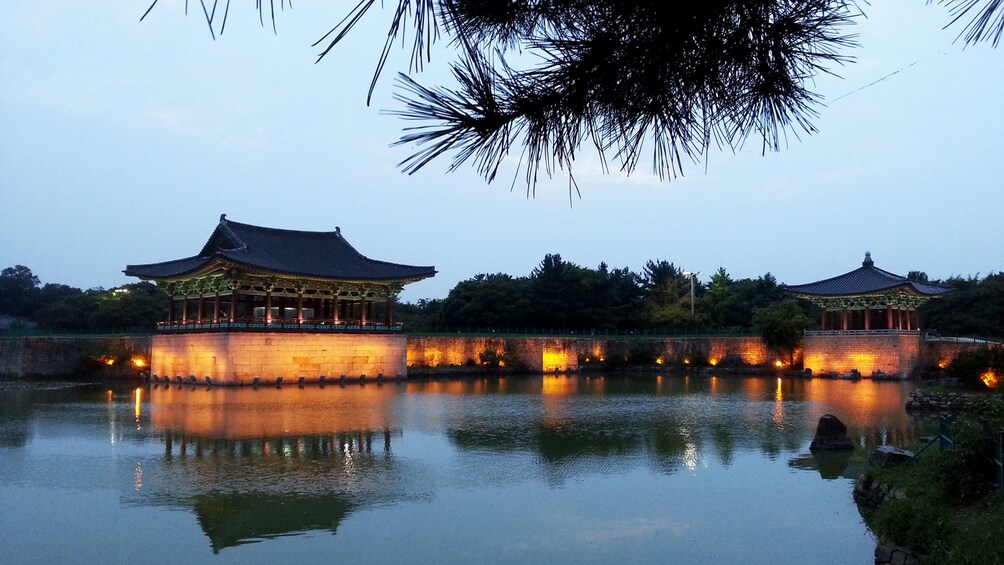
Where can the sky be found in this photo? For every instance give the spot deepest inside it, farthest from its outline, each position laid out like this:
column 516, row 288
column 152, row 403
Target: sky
column 122, row 142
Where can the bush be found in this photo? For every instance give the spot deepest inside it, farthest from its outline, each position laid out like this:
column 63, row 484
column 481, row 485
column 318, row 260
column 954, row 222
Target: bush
column 970, row 367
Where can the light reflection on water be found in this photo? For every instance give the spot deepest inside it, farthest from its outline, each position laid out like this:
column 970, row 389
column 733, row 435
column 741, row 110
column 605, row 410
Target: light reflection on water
column 633, row 468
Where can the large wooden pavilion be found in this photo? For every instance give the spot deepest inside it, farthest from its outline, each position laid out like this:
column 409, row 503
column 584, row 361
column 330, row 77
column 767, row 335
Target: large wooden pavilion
column 261, row 304
column 249, row 277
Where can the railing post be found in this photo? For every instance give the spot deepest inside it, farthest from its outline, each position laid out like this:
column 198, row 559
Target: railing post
column 1000, row 461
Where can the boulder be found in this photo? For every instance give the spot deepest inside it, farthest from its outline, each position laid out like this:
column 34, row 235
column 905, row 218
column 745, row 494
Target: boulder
column 831, row 435
column 889, row 456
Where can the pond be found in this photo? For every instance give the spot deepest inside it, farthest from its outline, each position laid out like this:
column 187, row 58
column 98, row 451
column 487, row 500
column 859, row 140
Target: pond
column 529, row 469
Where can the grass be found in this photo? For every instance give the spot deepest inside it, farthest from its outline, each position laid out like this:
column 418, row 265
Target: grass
column 942, row 517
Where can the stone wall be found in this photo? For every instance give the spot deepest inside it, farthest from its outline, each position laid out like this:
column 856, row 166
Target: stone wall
column 231, row 357
column 939, row 352
column 237, row 358
column 894, row 353
column 563, row 354
column 27, row 357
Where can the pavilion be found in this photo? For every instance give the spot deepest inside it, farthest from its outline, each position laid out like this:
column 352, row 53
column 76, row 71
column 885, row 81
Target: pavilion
column 869, row 321
column 869, row 298
column 234, row 304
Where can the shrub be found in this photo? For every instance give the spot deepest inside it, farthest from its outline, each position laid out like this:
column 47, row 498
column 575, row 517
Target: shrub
column 970, row 367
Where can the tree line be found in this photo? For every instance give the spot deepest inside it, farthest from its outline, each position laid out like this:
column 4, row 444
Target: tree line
column 557, row 295
column 563, row 296
column 53, row 306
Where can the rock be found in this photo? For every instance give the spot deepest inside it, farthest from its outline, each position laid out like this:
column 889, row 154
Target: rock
column 889, row 456
column 831, row 435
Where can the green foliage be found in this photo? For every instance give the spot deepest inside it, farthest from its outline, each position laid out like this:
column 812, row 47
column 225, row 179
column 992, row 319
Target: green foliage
column 18, row 291
column 781, row 326
column 976, row 308
column 948, row 514
column 506, row 358
column 968, row 366
column 133, row 306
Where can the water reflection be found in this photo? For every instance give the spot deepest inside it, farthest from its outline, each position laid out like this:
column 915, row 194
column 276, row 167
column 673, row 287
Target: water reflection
column 257, row 464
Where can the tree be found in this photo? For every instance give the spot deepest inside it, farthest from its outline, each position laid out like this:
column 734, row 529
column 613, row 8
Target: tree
column 628, row 77
column 721, row 300
column 976, row 308
column 781, row 326
column 18, row 291
column 667, row 295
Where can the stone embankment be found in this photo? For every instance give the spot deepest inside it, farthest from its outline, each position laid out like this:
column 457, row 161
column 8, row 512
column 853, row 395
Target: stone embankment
column 946, row 401
column 58, row 356
column 870, row 494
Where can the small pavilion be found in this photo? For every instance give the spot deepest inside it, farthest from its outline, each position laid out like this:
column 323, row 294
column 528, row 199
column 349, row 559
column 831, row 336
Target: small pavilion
column 869, row 298
column 870, row 322
column 249, row 278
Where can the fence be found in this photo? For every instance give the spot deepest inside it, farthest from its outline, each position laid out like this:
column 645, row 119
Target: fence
column 478, row 331
column 946, row 440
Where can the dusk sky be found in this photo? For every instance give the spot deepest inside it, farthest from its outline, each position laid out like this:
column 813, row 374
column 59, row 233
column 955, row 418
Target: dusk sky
column 122, row 142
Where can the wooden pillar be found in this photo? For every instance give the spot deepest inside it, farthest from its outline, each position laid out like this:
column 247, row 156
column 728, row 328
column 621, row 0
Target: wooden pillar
column 234, row 301
column 909, row 319
column 843, row 320
column 201, row 309
column 170, row 311
column 388, row 319
column 868, row 323
column 216, row 308
column 335, row 307
column 268, row 307
column 299, row 308
column 888, row 317
column 362, row 311
column 184, row 310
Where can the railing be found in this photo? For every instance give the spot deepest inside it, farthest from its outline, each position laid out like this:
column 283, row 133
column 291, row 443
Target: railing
column 260, row 324
column 861, row 332
column 637, row 333
column 946, row 440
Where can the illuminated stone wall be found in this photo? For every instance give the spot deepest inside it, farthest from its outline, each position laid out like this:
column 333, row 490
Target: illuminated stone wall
column 237, row 358
column 889, row 353
column 563, row 354
column 26, row 357
column 537, row 354
column 939, row 353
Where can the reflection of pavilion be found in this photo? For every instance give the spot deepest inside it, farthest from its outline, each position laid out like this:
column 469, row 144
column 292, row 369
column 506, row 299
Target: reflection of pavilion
column 869, row 321
column 259, row 464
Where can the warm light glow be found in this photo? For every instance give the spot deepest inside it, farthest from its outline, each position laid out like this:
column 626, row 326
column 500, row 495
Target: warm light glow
column 686, row 360
column 712, row 361
column 138, row 362
column 139, row 400
column 559, row 386
column 778, row 363
column 659, row 360
column 555, row 360
column 109, row 361
column 991, row 379
column 943, row 363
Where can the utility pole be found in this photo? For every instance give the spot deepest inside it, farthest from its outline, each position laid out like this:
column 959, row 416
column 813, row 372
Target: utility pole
column 691, row 276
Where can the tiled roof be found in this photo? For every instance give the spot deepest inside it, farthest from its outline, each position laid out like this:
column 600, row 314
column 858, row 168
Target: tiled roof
column 324, row 255
column 866, row 279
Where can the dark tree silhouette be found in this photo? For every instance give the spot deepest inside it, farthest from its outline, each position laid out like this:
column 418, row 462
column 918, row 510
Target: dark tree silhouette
column 633, row 79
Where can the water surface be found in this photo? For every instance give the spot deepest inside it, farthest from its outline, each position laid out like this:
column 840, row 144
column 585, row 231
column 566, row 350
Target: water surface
column 564, row 469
